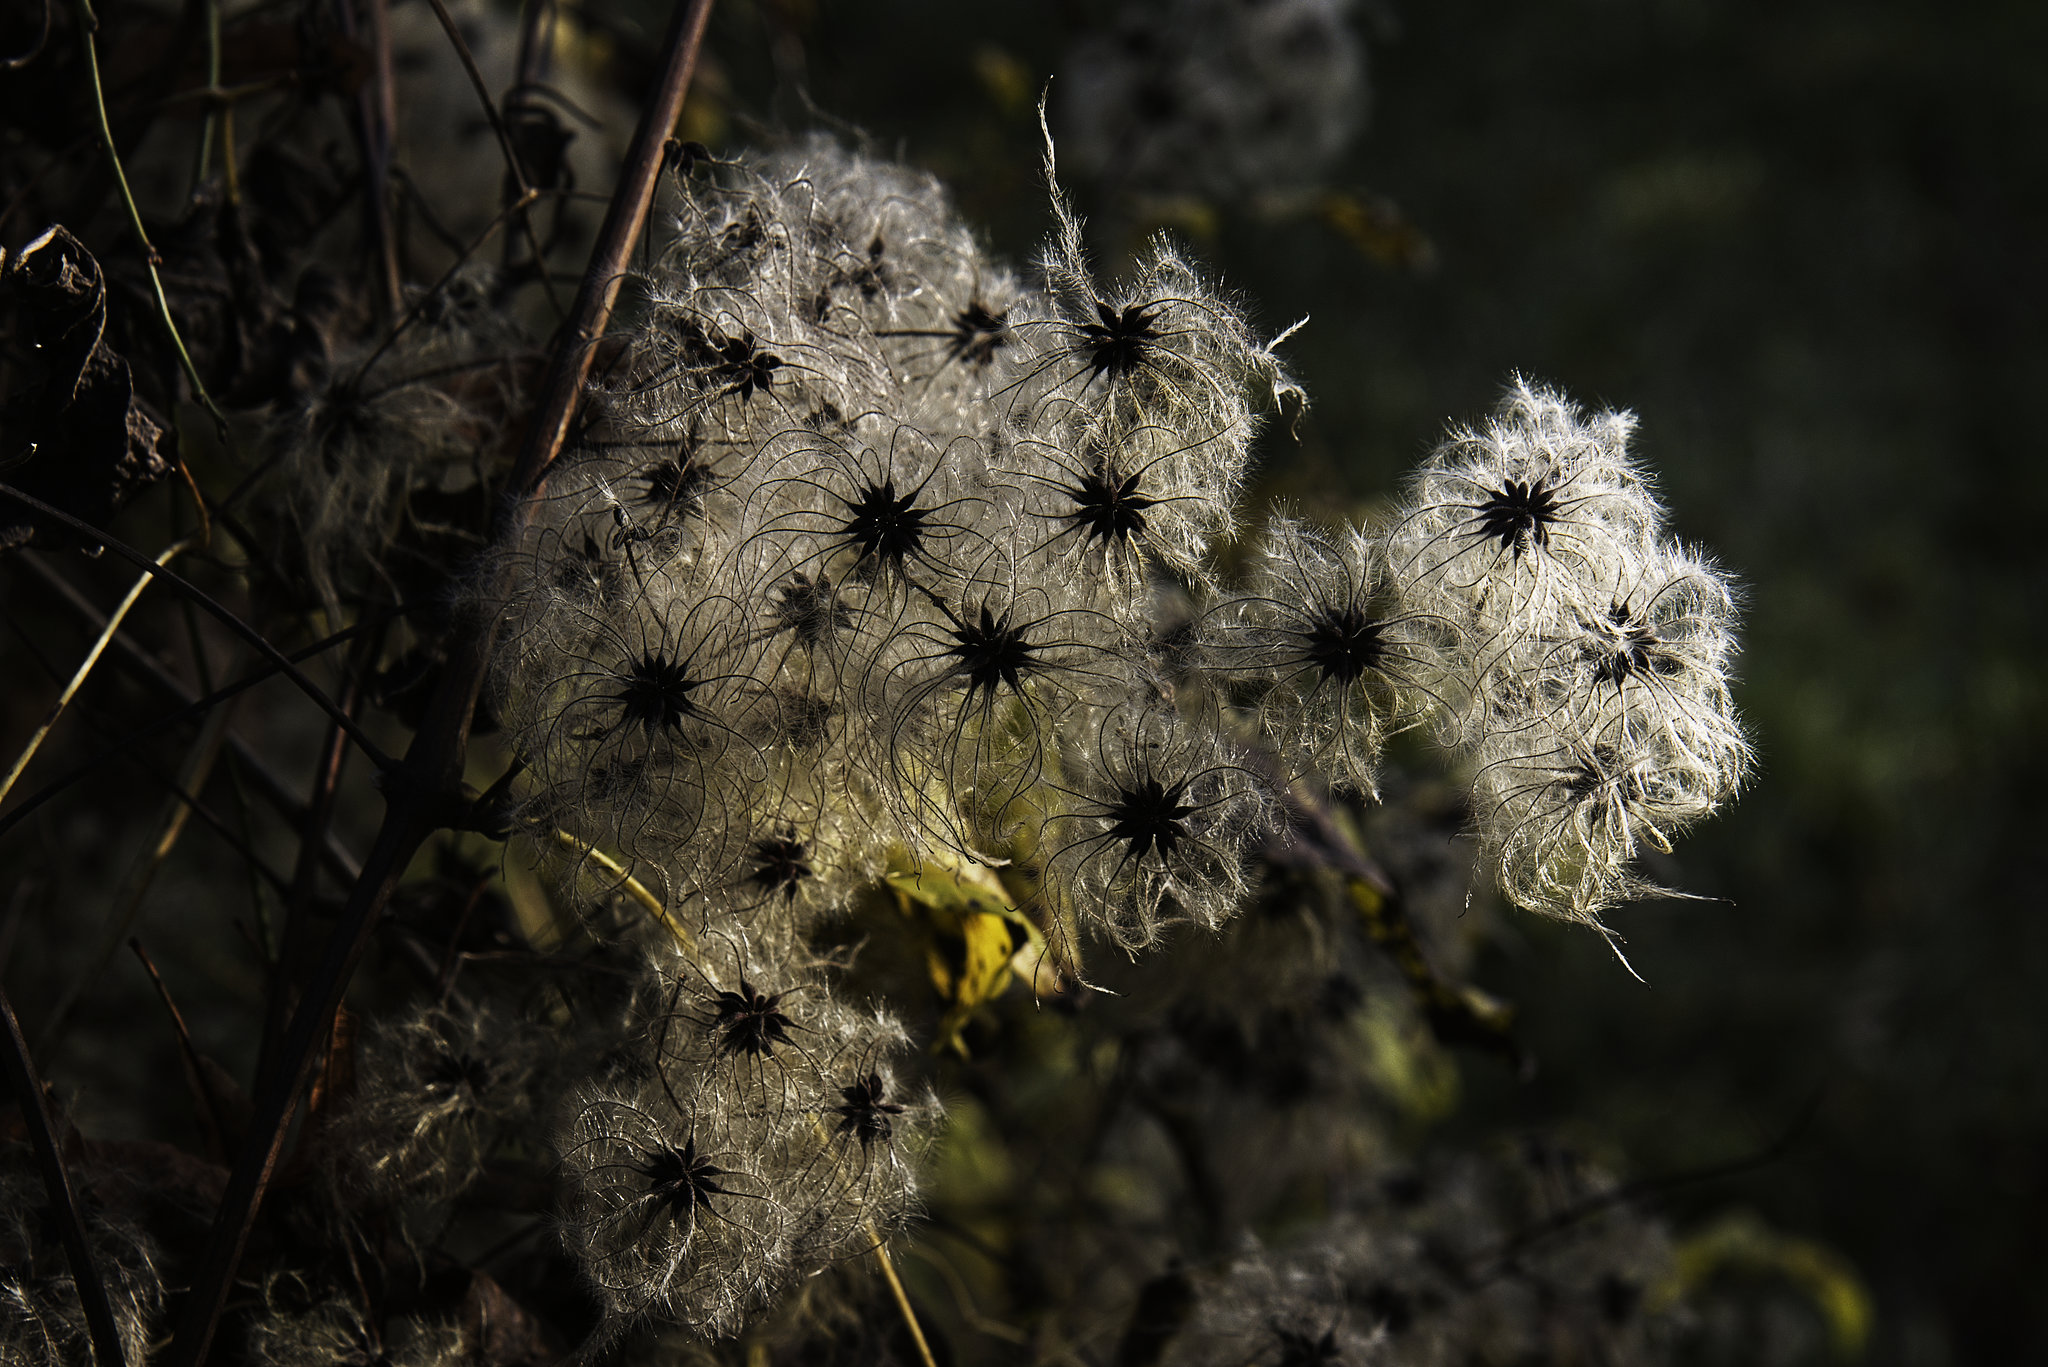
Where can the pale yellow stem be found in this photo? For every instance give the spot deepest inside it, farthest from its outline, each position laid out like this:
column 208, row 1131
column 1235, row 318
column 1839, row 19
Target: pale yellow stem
column 924, row 1350
column 92, row 658
column 628, row 884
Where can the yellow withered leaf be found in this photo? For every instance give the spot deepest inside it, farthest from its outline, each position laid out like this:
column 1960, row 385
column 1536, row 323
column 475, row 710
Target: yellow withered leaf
column 975, row 939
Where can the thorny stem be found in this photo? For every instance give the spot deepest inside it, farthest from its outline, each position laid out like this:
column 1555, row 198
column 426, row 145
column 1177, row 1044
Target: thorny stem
column 924, row 1350
column 28, row 1094
column 89, row 25
column 92, row 658
column 419, row 791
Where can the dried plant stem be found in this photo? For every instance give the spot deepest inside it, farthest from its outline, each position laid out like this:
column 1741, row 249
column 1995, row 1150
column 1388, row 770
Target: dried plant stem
column 882, row 1260
column 35, row 1115
column 412, row 314
column 146, row 667
column 203, row 1092
column 312, row 836
column 204, row 164
column 92, row 658
column 380, row 125
column 1457, row 1012
column 511, row 153
column 219, row 611
column 178, row 807
column 125, row 747
column 424, row 793
column 89, row 25
column 591, row 313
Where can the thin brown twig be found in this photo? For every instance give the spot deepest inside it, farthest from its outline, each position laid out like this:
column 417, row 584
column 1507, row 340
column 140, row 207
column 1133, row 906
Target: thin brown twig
column 220, row 611
column 124, row 747
column 505, row 145
column 419, row 794
column 35, row 1114
column 312, row 835
column 146, row 667
column 186, row 1048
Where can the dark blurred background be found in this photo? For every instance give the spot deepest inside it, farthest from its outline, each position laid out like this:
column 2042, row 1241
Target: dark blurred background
column 1803, row 241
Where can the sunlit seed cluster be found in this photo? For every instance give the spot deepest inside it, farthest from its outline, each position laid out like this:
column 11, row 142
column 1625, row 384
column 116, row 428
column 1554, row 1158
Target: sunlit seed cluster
column 1592, row 671
column 860, row 564
column 770, row 1137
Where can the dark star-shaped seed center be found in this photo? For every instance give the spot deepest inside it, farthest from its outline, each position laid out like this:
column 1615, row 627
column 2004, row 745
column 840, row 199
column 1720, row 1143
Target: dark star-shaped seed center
column 679, row 1180
column 867, row 1114
column 978, row 332
column 1519, row 515
column 781, row 863
column 1630, row 647
column 742, row 367
column 655, row 693
column 1118, row 343
column 884, row 527
column 992, row 651
column 677, row 486
column 810, row 609
column 1344, row 642
column 1149, row 816
column 752, row 1022
column 1109, row 507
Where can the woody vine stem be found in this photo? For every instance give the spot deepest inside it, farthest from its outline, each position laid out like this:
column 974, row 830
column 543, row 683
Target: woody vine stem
column 424, row 791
